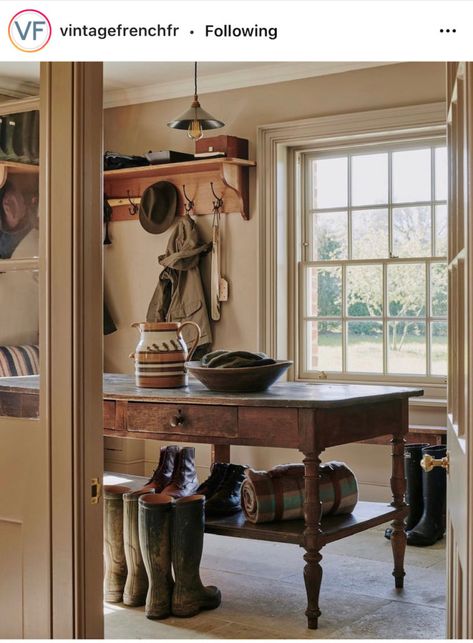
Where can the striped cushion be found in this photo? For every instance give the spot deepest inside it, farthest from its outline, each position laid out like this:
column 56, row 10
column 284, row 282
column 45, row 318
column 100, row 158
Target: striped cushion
column 19, row 360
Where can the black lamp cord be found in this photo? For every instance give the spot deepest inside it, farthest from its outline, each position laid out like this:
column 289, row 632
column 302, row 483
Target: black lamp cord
column 195, row 80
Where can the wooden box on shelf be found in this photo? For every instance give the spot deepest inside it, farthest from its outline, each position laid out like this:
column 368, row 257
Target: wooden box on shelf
column 231, row 146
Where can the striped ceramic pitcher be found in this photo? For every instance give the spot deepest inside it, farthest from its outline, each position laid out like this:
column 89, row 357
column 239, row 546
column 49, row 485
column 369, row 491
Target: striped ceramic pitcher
column 161, row 354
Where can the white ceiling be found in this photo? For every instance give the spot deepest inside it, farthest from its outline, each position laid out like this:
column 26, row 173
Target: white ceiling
column 132, row 82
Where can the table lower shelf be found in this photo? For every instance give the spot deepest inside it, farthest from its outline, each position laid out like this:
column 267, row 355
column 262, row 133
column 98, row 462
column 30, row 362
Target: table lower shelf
column 365, row 516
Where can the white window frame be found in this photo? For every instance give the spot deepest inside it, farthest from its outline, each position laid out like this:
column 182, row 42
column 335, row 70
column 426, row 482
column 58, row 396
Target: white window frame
column 305, row 222
column 278, row 146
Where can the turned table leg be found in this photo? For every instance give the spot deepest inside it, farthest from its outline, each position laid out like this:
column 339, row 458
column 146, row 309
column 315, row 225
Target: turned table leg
column 312, row 538
column 220, row 453
column 398, row 488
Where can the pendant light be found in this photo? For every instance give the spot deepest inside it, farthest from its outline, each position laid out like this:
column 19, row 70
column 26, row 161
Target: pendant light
column 195, row 119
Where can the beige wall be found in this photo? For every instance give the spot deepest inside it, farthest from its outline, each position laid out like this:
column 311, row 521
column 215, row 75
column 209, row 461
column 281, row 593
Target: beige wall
column 131, row 267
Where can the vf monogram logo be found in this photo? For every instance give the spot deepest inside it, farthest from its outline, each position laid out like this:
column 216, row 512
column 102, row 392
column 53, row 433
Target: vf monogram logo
column 29, row 30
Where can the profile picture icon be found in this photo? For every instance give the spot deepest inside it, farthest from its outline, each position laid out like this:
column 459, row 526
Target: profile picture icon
column 29, row 30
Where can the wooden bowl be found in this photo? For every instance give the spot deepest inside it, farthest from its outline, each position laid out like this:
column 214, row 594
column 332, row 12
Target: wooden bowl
column 249, row 379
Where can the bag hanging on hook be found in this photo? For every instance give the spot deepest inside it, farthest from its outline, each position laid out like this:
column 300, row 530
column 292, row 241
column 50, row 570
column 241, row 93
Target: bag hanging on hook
column 218, row 285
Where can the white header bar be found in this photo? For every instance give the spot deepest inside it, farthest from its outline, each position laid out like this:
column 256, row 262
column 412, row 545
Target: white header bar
column 296, row 30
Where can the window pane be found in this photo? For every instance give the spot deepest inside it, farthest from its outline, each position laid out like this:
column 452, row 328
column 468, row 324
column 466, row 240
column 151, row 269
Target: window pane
column 441, row 174
column 370, row 237
column 330, row 236
column 406, row 347
column 438, row 289
column 325, row 292
column 330, row 177
column 324, row 344
column 411, row 175
column 441, row 231
column 365, row 347
column 369, row 179
column 412, row 232
column 406, row 290
column 439, row 361
column 365, row 291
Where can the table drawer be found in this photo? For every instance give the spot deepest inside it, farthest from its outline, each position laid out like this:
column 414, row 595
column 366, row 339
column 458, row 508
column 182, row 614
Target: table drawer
column 109, row 414
column 189, row 419
column 277, row 427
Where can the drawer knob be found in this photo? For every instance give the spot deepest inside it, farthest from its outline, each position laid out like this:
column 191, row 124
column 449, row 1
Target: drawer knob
column 177, row 420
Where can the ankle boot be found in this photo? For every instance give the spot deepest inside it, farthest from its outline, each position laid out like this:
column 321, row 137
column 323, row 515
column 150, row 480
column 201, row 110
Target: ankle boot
column 136, row 584
column 114, row 553
column 155, row 518
column 184, row 478
column 431, row 527
column 162, row 475
column 413, row 473
column 213, row 482
column 226, row 499
column 189, row 595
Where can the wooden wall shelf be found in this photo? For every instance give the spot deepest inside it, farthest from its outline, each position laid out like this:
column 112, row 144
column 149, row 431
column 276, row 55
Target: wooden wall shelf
column 13, row 168
column 230, row 179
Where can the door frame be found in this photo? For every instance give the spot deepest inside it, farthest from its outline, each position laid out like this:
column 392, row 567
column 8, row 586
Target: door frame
column 72, row 342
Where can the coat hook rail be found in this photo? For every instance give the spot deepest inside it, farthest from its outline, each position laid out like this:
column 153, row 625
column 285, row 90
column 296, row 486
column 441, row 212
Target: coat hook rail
column 132, row 201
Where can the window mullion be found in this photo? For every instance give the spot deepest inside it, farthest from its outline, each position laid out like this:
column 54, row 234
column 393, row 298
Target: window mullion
column 428, row 312
column 432, row 201
column 343, row 320
column 390, row 204
column 385, row 319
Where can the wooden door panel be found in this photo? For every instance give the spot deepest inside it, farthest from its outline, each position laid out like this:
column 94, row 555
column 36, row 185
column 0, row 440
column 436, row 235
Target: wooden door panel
column 460, row 376
column 11, row 592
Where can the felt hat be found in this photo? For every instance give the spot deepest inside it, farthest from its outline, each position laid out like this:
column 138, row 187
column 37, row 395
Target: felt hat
column 158, row 207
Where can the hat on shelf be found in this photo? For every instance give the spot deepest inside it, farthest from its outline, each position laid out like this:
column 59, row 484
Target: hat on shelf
column 158, row 207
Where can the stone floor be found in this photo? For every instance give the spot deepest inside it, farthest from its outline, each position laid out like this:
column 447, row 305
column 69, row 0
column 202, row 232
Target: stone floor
column 263, row 595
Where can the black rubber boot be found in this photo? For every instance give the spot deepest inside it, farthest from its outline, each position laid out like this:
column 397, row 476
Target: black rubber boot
column 431, row 527
column 213, row 482
column 162, row 475
column 226, row 499
column 136, row 584
column 154, row 519
column 189, row 595
column 114, row 553
column 413, row 473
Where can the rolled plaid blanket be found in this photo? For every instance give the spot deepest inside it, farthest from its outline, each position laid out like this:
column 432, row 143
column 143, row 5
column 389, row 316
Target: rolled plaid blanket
column 278, row 494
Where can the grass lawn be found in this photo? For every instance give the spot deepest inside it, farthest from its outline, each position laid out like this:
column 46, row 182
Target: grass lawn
column 365, row 354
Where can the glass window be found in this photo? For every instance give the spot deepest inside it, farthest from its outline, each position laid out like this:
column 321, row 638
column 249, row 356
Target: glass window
column 375, row 271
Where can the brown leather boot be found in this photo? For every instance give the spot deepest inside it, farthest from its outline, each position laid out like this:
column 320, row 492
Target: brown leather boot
column 162, row 475
column 114, row 553
column 184, row 479
column 189, row 595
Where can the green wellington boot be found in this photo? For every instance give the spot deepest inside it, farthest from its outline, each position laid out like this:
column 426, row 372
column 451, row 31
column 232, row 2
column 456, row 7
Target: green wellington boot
column 154, row 519
column 189, row 595
column 136, row 585
column 114, row 553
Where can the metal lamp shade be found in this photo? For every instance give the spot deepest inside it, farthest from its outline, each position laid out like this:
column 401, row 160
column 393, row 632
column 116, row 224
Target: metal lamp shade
column 206, row 120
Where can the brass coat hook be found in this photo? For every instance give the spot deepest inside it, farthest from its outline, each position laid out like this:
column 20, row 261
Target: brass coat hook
column 133, row 207
column 218, row 203
column 189, row 205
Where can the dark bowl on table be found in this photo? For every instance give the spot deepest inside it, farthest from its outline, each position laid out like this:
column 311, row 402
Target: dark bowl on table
column 249, row 379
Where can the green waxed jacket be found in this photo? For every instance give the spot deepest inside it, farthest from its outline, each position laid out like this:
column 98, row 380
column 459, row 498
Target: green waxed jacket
column 179, row 295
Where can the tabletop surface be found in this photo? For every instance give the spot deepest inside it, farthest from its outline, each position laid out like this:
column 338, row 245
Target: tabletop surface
column 286, row 394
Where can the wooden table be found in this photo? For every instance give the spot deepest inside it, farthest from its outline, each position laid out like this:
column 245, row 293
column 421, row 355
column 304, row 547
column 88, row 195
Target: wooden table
column 308, row 417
